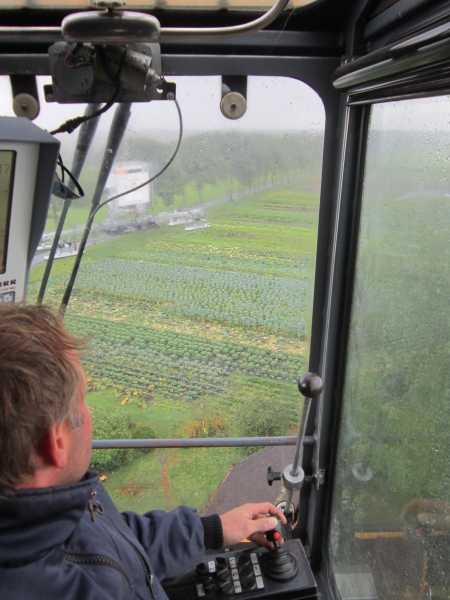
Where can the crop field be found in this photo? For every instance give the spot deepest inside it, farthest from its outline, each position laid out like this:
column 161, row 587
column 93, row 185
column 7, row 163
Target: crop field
column 194, row 334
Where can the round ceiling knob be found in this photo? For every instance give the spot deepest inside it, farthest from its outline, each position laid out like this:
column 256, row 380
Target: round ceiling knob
column 26, row 105
column 233, row 105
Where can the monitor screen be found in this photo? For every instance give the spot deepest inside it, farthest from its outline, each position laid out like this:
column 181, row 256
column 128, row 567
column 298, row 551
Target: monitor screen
column 7, row 163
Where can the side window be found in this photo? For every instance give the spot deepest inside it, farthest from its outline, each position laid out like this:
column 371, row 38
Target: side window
column 391, row 508
column 197, row 289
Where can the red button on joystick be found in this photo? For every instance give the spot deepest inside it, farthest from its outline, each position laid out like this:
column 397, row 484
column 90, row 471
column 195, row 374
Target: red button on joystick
column 276, row 535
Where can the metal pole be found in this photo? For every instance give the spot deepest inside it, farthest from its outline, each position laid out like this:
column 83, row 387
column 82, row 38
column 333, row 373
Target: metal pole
column 117, row 130
column 201, row 442
column 85, row 136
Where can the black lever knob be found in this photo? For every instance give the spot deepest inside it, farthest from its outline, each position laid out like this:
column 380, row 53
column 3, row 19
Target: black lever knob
column 209, row 585
column 310, row 385
column 227, row 587
column 224, row 574
column 273, row 476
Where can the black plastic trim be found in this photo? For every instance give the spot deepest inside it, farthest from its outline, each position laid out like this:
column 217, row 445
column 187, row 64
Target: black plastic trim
column 24, row 64
column 264, row 39
column 290, row 43
column 343, row 246
column 341, row 306
column 390, row 62
column 394, row 14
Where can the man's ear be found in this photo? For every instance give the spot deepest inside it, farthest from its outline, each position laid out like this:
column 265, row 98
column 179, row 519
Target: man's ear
column 55, row 445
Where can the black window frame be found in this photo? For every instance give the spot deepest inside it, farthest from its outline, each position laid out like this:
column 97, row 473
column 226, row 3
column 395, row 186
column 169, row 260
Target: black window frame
column 316, row 72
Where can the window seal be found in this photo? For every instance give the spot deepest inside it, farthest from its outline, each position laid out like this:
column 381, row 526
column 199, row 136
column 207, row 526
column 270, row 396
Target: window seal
column 409, row 57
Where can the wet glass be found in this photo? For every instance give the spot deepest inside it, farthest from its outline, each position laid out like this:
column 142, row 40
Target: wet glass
column 196, row 289
column 390, row 523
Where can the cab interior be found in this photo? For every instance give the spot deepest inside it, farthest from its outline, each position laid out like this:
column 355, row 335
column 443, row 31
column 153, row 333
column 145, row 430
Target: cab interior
column 293, row 221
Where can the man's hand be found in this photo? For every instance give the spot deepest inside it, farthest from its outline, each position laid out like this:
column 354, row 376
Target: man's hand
column 427, row 512
column 250, row 521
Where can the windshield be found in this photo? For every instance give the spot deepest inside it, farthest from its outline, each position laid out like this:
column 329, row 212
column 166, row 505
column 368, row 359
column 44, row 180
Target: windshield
column 196, row 290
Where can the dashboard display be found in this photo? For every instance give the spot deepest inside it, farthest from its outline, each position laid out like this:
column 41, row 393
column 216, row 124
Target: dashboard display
column 7, row 163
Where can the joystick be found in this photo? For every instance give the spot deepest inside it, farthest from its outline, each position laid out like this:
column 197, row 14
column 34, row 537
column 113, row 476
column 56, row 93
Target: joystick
column 310, row 386
column 279, row 565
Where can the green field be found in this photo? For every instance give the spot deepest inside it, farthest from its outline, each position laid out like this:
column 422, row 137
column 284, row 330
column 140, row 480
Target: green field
column 194, row 334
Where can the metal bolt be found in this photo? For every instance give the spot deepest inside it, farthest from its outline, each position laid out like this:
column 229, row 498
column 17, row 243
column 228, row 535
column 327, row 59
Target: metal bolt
column 170, row 96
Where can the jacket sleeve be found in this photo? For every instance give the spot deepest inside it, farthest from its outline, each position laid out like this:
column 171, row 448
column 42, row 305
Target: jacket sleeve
column 174, row 541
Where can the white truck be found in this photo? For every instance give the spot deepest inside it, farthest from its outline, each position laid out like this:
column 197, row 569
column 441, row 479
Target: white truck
column 126, row 176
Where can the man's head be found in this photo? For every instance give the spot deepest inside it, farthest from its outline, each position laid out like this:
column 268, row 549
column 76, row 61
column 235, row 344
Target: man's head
column 45, row 427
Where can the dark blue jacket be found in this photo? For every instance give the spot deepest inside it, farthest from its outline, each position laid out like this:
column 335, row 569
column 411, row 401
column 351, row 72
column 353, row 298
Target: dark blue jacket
column 71, row 543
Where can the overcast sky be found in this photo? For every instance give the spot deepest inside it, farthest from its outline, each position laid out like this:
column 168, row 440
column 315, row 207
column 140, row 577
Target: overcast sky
column 274, row 104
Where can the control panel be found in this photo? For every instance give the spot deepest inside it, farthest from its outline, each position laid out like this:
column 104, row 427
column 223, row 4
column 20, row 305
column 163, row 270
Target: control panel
column 245, row 571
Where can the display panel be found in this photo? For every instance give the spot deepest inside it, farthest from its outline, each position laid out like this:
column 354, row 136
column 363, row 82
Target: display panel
column 390, row 527
column 7, row 160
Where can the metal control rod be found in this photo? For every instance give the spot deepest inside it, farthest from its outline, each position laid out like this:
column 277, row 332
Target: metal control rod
column 310, row 386
column 85, row 136
column 298, row 456
column 116, row 133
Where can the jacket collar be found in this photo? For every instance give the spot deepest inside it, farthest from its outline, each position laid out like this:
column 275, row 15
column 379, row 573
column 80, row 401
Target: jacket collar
column 33, row 522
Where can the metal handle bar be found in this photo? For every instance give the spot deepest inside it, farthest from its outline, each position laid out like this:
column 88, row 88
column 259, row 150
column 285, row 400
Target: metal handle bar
column 205, row 32
column 53, row 34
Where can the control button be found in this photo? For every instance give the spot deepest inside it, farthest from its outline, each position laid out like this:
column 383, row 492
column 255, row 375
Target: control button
column 212, row 566
column 256, row 570
column 223, row 574
column 237, row 587
column 276, row 535
column 232, row 562
column 254, row 558
column 246, row 571
column 259, row 583
column 227, row 587
column 248, row 583
column 209, row 585
column 235, row 574
column 201, row 569
column 200, row 590
column 221, row 561
column 244, row 559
